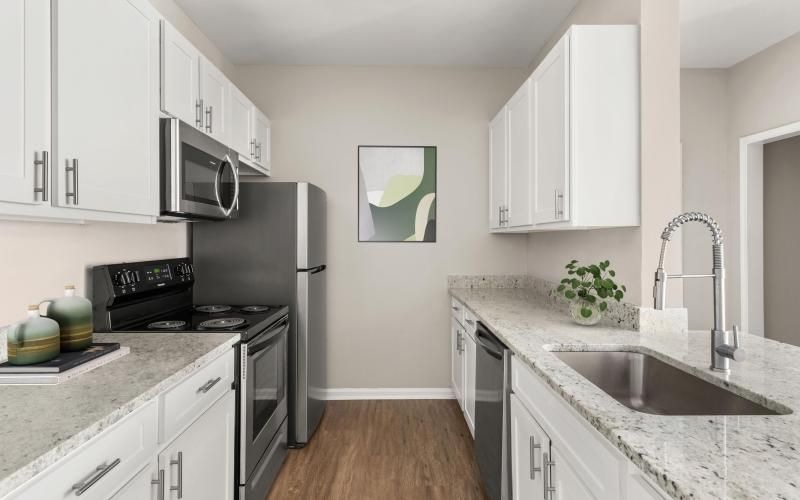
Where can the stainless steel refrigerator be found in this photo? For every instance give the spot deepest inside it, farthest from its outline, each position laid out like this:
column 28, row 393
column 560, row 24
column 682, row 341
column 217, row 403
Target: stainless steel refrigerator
column 274, row 253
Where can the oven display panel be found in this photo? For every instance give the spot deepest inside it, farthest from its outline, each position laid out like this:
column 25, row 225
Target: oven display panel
column 157, row 273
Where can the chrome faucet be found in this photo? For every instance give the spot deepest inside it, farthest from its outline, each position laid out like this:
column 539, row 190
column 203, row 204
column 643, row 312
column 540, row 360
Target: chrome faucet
column 721, row 350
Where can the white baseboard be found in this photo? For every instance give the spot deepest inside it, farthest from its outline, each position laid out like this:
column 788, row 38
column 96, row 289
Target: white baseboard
column 389, row 393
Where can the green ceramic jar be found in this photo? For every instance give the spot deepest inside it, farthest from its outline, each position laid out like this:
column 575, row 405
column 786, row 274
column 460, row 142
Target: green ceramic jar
column 34, row 340
column 74, row 316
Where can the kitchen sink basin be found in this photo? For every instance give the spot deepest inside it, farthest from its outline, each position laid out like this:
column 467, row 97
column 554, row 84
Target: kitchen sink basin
column 649, row 385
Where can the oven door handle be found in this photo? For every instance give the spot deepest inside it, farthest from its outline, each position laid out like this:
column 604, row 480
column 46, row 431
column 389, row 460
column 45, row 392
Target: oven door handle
column 268, row 337
column 227, row 161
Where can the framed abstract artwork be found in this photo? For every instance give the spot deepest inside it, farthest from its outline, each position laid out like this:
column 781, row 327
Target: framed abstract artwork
column 397, row 193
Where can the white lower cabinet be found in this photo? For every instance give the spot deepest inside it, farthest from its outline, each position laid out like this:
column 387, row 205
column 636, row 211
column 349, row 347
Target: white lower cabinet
column 198, row 464
column 126, row 461
column 557, row 455
column 463, row 350
column 143, row 486
column 528, row 443
column 456, row 360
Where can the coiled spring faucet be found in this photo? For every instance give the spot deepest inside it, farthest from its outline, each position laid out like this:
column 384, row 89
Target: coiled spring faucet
column 721, row 350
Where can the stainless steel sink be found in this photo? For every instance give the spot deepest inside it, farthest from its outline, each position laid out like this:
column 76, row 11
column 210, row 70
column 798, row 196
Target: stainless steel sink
column 647, row 384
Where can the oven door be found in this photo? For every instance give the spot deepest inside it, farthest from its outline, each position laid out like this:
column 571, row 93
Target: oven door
column 200, row 176
column 263, row 404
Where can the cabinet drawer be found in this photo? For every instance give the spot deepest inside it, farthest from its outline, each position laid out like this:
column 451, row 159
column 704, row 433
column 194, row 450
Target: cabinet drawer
column 598, row 465
column 101, row 466
column 470, row 322
column 191, row 397
column 457, row 309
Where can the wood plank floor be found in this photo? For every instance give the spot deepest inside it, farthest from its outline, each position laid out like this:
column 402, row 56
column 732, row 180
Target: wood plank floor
column 385, row 450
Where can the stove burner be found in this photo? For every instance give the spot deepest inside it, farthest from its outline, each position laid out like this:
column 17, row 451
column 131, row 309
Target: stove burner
column 166, row 325
column 221, row 323
column 254, row 309
column 217, row 308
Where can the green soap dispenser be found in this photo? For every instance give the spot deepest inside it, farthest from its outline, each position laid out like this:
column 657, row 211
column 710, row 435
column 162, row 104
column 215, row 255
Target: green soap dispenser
column 74, row 315
column 34, row 340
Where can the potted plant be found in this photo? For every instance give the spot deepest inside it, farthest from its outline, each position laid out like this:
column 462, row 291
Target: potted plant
column 589, row 288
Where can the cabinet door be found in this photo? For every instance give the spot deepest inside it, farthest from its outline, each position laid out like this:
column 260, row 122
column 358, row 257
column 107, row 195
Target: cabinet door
column 107, row 105
column 498, row 168
column 551, row 135
column 215, row 92
column 529, row 443
column 24, row 99
column 242, row 124
column 180, row 73
column 469, row 348
column 263, row 137
column 199, row 463
column 141, row 487
column 565, row 479
column 456, row 361
column 519, row 158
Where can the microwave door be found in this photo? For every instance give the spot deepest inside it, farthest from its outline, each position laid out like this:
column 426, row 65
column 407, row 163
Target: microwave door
column 201, row 184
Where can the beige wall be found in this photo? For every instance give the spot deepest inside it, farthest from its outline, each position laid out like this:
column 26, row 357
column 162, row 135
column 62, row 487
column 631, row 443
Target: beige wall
column 633, row 251
column 781, row 240
column 704, row 136
column 758, row 94
column 385, row 300
column 38, row 259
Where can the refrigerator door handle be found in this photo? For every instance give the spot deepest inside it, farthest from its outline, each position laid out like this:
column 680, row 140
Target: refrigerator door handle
column 312, row 270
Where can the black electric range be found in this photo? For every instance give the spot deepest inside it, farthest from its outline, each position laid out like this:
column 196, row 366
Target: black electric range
column 157, row 296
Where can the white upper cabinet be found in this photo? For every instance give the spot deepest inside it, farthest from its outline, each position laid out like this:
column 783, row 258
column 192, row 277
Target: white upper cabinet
column 550, row 111
column 106, row 87
column 519, row 158
column 498, row 169
column 263, row 140
column 584, row 135
column 180, row 74
column 215, row 90
column 242, row 124
column 25, row 101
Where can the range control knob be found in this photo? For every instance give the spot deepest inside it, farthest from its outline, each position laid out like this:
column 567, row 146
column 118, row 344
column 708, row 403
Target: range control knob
column 183, row 269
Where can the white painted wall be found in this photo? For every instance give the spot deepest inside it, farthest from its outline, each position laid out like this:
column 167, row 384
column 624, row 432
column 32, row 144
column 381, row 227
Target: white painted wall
column 38, row 259
column 386, row 326
column 758, row 94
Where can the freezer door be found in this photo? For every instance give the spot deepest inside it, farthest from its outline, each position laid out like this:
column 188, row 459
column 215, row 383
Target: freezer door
column 311, row 367
column 311, row 226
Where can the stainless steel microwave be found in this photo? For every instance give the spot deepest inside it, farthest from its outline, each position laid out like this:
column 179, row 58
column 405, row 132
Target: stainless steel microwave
column 199, row 175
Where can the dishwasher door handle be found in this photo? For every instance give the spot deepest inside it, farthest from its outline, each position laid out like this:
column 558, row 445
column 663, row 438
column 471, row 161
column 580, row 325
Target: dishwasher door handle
column 491, row 350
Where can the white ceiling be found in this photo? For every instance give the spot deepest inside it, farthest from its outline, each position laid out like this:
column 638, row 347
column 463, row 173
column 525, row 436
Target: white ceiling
column 379, row 32
column 721, row 33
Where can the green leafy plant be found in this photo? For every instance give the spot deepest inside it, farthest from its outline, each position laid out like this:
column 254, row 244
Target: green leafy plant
column 592, row 284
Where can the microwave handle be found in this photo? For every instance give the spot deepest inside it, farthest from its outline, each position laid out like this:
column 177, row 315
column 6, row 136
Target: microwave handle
column 227, row 211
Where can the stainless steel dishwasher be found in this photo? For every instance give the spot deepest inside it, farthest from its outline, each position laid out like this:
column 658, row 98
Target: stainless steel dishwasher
column 492, row 382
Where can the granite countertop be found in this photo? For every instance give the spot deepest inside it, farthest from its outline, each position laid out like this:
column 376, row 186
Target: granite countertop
column 42, row 424
column 690, row 457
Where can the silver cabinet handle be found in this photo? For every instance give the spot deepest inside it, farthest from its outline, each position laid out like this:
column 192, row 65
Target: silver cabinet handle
column 198, row 113
column 258, row 151
column 459, row 347
column 208, row 385
column 547, row 475
column 74, row 171
column 456, row 308
column 558, row 201
column 179, row 463
column 210, row 119
column 45, row 164
column 160, row 483
column 102, row 470
column 470, row 322
column 252, row 148
column 533, row 447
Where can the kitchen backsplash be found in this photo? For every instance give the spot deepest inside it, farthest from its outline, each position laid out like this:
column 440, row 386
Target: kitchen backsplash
column 619, row 314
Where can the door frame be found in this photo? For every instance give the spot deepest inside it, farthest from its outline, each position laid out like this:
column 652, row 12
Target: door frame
column 751, row 226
